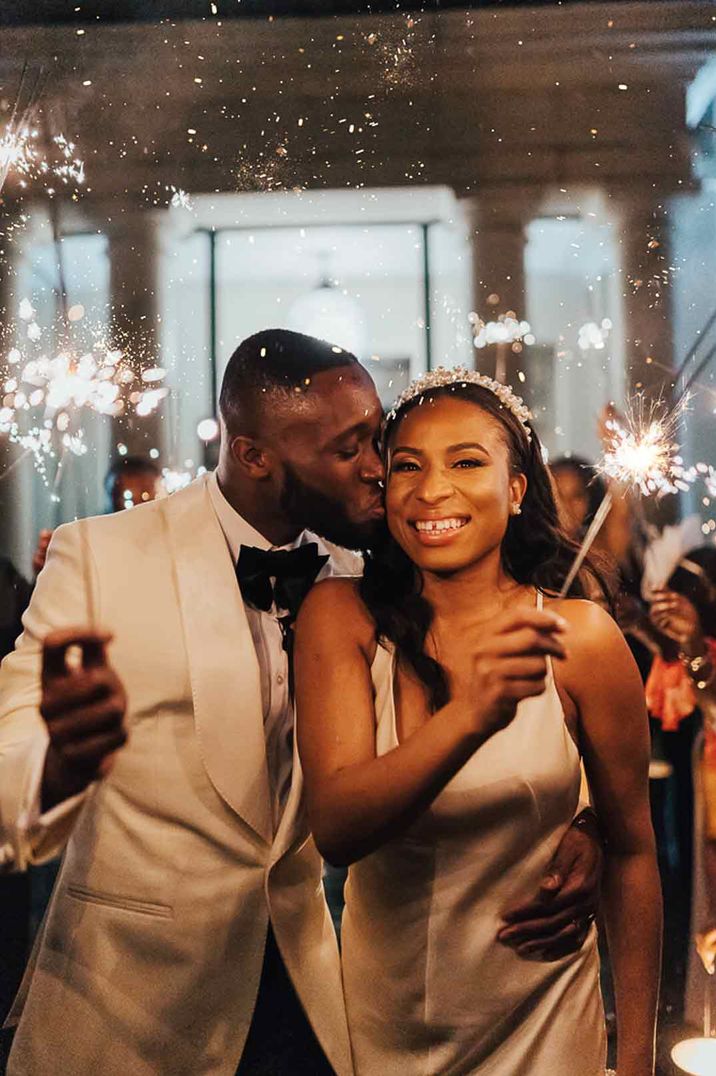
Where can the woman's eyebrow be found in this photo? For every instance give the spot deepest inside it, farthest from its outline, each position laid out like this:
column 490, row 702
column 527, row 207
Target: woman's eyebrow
column 467, row 444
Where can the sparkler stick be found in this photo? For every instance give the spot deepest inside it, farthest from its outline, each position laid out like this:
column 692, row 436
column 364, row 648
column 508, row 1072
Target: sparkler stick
column 594, row 528
column 694, row 348
column 642, row 453
column 700, row 367
column 87, row 576
column 8, row 470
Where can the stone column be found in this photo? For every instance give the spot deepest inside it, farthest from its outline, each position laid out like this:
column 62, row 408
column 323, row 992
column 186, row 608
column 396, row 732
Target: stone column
column 646, row 290
column 15, row 531
column 497, row 223
column 132, row 235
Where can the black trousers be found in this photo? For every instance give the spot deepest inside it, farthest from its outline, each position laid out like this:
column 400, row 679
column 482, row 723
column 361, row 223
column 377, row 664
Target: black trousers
column 14, row 935
column 281, row 1041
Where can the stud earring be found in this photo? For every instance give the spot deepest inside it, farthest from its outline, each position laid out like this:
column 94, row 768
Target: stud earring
column 516, row 509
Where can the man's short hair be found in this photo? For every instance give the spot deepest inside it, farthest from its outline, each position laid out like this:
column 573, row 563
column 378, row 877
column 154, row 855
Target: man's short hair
column 271, row 365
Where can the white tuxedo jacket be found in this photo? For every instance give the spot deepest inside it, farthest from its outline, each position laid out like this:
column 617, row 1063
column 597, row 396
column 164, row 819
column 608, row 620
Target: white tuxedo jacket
column 149, row 959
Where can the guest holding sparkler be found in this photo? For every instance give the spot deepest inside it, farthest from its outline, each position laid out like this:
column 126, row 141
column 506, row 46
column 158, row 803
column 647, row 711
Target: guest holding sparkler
column 681, row 695
column 131, row 480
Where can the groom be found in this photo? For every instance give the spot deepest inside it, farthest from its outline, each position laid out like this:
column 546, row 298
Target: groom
column 188, row 931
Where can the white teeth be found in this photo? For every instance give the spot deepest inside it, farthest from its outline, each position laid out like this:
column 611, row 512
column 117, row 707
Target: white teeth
column 431, row 525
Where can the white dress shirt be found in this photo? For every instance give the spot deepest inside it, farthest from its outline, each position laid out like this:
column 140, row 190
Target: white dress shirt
column 267, row 635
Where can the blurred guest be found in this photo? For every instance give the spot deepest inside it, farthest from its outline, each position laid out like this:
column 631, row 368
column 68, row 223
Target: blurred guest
column 131, row 480
column 681, row 697
column 15, row 594
column 580, row 490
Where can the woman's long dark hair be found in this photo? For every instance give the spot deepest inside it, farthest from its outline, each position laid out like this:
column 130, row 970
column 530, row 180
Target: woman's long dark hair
column 535, row 550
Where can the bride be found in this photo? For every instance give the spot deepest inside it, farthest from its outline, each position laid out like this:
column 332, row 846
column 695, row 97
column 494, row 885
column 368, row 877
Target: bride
column 443, row 705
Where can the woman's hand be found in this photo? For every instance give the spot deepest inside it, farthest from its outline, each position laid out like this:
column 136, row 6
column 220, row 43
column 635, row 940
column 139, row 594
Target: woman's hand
column 508, row 663
column 675, row 616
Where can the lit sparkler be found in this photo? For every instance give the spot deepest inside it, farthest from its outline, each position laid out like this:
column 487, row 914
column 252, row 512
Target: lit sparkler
column 641, row 453
column 45, row 390
column 27, row 149
column 22, row 152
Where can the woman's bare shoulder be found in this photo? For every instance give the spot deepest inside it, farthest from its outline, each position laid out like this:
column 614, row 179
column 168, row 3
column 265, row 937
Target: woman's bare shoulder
column 336, row 605
column 596, row 647
column 584, row 615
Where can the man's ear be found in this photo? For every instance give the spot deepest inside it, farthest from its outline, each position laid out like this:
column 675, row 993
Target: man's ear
column 253, row 458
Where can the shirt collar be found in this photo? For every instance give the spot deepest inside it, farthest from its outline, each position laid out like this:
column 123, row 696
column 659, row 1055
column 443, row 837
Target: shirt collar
column 236, row 529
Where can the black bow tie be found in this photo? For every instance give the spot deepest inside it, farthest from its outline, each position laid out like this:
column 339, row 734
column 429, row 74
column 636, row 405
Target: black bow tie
column 294, row 572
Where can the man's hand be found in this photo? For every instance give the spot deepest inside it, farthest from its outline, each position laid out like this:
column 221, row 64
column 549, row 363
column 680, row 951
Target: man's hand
column 83, row 705
column 40, row 555
column 557, row 920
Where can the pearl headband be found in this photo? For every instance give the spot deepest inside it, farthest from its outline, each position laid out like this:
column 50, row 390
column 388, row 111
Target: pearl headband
column 460, row 375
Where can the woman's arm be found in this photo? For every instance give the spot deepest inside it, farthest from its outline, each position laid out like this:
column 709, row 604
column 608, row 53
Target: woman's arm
column 600, row 676
column 357, row 801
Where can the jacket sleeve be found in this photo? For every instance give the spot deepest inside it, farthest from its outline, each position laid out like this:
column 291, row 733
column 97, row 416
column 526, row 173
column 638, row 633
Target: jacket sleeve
column 62, row 598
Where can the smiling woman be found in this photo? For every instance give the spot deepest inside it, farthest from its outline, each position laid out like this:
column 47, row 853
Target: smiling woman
column 443, row 704
column 497, row 487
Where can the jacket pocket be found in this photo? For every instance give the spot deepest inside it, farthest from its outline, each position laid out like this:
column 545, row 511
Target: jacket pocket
column 125, row 904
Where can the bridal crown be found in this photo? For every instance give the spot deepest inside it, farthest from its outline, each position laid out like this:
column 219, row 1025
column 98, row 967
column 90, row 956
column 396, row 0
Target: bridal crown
column 442, row 377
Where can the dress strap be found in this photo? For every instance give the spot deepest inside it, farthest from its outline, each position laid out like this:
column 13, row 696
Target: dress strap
column 539, row 604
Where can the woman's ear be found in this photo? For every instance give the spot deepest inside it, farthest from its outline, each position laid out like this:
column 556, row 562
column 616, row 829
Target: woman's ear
column 518, row 488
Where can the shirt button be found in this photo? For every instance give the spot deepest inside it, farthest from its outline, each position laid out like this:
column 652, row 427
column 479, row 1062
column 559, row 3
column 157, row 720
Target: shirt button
column 279, row 679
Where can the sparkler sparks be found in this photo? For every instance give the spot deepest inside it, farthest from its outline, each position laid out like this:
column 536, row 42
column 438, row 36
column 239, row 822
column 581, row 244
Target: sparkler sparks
column 642, row 453
column 394, row 45
column 506, row 330
column 180, row 199
column 269, row 170
column 21, row 152
column 45, row 390
column 642, row 450
column 594, row 336
column 172, row 480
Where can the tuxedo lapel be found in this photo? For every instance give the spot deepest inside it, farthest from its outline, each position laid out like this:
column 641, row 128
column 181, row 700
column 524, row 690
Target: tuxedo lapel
column 223, row 665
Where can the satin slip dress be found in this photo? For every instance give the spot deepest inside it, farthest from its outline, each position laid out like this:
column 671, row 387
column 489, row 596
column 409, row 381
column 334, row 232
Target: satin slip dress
column 429, row 989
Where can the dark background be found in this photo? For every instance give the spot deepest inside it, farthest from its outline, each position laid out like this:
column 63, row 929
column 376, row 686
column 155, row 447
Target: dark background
column 18, row 12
